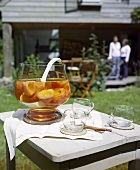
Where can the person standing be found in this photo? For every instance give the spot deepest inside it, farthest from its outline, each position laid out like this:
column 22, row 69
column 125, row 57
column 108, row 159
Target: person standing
column 125, row 55
column 114, row 55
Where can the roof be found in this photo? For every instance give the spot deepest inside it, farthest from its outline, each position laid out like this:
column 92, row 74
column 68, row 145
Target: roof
column 53, row 11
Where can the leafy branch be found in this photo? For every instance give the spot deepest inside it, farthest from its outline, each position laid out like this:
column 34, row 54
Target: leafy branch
column 97, row 53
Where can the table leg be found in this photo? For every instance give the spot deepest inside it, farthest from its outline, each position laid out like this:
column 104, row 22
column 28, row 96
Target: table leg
column 9, row 164
column 135, row 165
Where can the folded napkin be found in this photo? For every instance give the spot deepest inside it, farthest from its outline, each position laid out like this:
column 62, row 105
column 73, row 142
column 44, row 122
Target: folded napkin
column 17, row 131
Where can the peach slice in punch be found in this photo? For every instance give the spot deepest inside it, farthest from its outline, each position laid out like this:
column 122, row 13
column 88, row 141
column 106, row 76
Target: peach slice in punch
column 39, row 86
column 29, row 88
column 59, row 92
column 27, row 99
column 18, row 89
column 45, row 94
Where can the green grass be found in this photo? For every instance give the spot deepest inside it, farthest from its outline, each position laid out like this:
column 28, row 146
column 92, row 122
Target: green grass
column 104, row 101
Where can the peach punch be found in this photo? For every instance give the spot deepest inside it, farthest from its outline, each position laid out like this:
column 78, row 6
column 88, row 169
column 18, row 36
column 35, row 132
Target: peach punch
column 51, row 93
column 42, row 94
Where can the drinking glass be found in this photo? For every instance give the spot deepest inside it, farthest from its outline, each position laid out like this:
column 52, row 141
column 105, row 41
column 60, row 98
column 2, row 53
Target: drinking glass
column 42, row 97
column 82, row 107
column 72, row 125
column 122, row 115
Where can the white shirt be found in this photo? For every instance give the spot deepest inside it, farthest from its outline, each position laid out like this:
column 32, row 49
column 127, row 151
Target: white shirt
column 114, row 50
column 125, row 52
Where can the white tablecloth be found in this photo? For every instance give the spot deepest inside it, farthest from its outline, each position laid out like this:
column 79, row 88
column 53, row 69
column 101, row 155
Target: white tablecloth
column 17, row 131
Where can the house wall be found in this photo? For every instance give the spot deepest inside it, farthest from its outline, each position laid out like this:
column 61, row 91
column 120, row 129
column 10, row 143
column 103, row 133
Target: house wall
column 53, row 11
column 25, row 41
column 50, row 12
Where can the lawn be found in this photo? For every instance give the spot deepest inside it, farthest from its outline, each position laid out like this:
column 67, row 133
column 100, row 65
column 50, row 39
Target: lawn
column 104, row 101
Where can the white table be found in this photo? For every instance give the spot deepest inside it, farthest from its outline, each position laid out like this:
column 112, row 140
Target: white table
column 63, row 154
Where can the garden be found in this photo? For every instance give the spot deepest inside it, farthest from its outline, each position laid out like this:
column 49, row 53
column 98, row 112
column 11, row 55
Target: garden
column 103, row 100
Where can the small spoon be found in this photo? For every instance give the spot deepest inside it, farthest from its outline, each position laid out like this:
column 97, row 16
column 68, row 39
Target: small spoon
column 97, row 129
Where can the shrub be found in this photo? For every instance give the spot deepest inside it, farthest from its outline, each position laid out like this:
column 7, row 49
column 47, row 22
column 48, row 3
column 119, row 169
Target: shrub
column 32, row 59
column 135, row 15
column 99, row 55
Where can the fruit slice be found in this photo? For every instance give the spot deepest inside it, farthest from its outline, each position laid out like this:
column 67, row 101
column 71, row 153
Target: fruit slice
column 59, row 92
column 27, row 99
column 39, row 86
column 59, row 97
column 45, row 94
column 34, row 98
column 18, row 89
column 30, row 88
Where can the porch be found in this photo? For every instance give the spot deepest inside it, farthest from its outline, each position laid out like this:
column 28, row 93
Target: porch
column 31, row 23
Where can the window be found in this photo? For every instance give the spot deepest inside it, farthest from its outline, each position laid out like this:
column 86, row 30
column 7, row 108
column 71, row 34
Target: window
column 89, row 2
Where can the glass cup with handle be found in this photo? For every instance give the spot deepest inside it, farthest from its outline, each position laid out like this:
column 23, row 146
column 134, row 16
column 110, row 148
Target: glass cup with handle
column 122, row 115
column 82, row 107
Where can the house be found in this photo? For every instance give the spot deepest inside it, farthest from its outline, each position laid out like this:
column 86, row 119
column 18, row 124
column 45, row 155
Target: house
column 64, row 26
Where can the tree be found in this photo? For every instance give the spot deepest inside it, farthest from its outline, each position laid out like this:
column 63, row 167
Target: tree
column 135, row 15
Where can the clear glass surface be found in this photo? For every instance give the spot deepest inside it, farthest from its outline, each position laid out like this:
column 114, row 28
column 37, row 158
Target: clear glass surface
column 73, row 126
column 122, row 115
column 42, row 97
column 82, row 107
